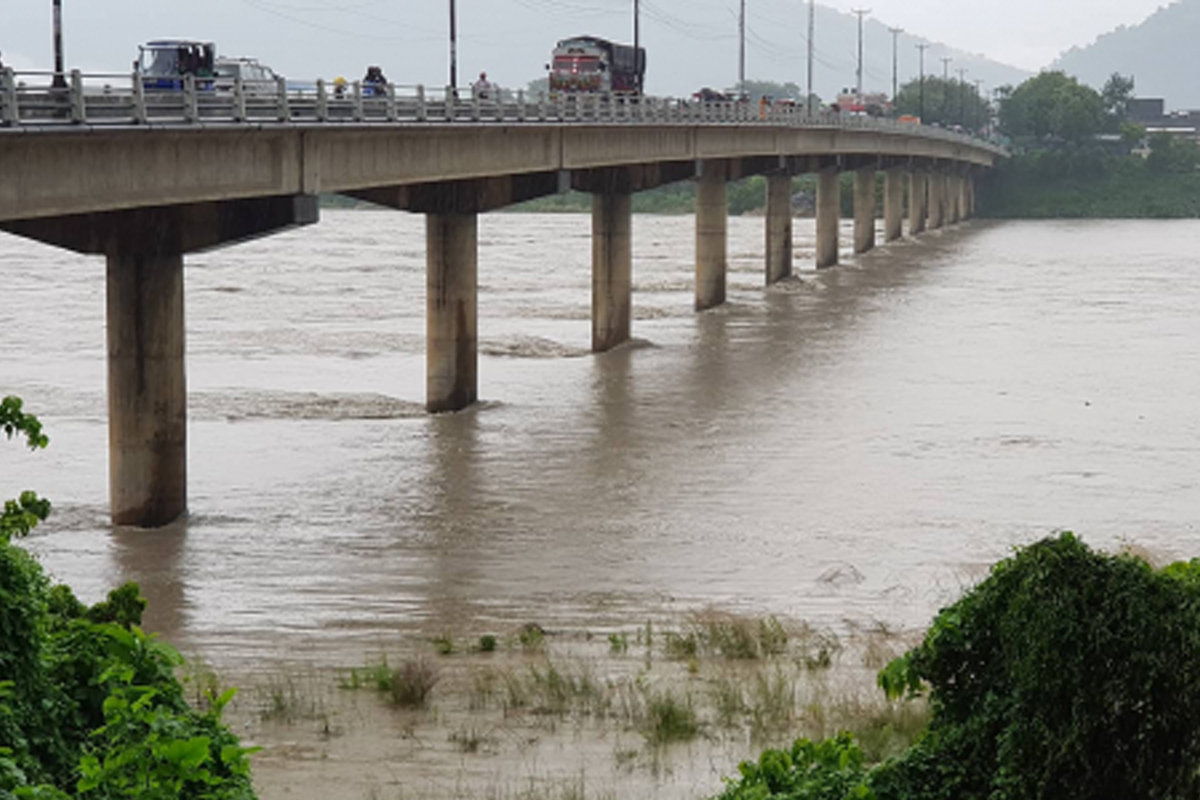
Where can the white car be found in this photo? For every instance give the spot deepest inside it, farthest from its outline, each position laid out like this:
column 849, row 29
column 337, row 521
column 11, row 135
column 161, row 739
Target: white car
column 257, row 79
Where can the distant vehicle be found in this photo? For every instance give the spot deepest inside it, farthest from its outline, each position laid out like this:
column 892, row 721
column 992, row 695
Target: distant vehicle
column 592, row 64
column 707, row 95
column 164, row 64
column 909, row 119
column 256, row 78
column 872, row 104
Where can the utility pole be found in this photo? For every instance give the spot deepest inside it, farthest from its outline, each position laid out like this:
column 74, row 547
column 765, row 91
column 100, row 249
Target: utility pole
column 962, row 95
column 742, row 50
column 60, row 78
column 921, row 113
column 453, row 48
column 860, row 12
column 637, row 44
column 895, row 32
column 946, row 88
column 812, row 27
column 979, row 94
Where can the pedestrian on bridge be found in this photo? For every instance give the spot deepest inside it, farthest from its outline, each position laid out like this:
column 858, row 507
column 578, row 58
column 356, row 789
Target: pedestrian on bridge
column 482, row 88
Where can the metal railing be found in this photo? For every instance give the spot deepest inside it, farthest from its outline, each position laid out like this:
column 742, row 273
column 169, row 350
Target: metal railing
column 30, row 101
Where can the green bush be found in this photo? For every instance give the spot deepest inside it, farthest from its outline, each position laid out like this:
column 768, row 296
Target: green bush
column 1066, row 674
column 89, row 704
column 829, row 770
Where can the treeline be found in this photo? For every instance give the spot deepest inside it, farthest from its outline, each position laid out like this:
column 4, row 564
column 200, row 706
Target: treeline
column 1076, row 154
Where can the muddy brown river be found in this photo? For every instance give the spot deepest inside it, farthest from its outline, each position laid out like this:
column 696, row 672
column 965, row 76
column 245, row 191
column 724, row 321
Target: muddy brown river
column 847, row 448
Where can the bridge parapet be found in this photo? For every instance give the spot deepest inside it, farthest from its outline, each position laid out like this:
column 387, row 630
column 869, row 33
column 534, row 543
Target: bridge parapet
column 29, row 101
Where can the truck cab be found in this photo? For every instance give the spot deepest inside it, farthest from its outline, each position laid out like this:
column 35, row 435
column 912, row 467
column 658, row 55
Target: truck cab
column 165, row 63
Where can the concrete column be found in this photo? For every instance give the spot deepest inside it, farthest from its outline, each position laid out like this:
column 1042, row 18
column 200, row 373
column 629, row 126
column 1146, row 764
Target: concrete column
column 712, row 212
column 864, row 210
column 451, row 361
column 612, row 270
column 147, row 390
column 971, row 187
column 779, row 227
column 952, row 196
column 937, row 200
column 893, row 205
column 829, row 214
column 918, row 202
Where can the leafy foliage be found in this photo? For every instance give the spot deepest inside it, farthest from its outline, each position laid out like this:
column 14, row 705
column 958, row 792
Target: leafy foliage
column 89, row 704
column 829, row 770
column 944, row 102
column 1066, row 674
column 1054, row 106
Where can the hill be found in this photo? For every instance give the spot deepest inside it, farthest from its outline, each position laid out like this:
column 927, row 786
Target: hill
column 1160, row 53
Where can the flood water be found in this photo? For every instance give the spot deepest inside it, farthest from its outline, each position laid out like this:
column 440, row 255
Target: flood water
column 855, row 444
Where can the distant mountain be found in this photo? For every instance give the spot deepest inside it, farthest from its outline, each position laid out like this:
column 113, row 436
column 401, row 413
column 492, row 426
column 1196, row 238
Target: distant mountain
column 1161, row 54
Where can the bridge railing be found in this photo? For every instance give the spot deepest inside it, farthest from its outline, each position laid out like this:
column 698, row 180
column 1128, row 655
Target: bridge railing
column 30, row 100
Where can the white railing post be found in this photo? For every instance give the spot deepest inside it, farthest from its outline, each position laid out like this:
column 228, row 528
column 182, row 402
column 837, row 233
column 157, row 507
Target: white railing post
column 8, row 98
column 322, row 101
column 78, row 110
column 422, row 108
column 562, row 106
column 239, row 99
column 451, row 102
column 283, row 110
column 356, row 90
column 476, row 106
column 191, row 103
column 139, row 99
column 391, row 102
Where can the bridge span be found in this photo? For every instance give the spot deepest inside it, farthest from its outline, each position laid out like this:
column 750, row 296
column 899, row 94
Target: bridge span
column 108, row 168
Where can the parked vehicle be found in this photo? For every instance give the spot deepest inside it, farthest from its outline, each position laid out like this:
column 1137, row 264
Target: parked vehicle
column 872, row 104
column 592, row 64
column 164, row 64
column 256, row 78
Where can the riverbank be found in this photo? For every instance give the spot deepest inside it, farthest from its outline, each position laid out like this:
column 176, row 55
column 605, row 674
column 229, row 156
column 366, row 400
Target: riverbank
column 534, row 714
column 1088, row 186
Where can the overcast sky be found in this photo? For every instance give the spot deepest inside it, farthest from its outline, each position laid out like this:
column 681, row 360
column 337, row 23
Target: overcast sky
column 306, row 38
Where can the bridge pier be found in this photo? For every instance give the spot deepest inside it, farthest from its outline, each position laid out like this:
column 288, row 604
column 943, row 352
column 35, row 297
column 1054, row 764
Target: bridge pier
column 147, row 389
column 918, row 202
column 954, row 198
column 893, row 205
column 451, row 305
column 612, row 270
column 779, row 228
column 937, row 200
column 829, row 214
column 712, row 212
column 864, row 210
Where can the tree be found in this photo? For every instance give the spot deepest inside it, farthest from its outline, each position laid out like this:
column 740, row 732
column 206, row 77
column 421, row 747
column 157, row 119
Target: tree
column 776, row 91
column 537, row 86
column 1117, row 93
column 22, row 515
column 1052, row 106
column 947, row 103
column 1169, row 155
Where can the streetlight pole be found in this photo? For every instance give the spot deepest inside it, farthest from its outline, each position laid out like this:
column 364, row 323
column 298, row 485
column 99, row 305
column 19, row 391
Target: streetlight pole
column 860, row 13
column 742, row 50
column 812, row 27
column 637, row 44
column 962, row 95
column 60, row 79
column 946, row 88
column 453, row 47
column 921, row 113
column 979, row 94
column 895, row 32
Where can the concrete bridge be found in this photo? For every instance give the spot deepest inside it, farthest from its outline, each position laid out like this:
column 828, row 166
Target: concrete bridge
column 109, row 168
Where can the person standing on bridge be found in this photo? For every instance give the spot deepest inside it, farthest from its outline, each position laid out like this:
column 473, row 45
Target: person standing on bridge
column 482, row 88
